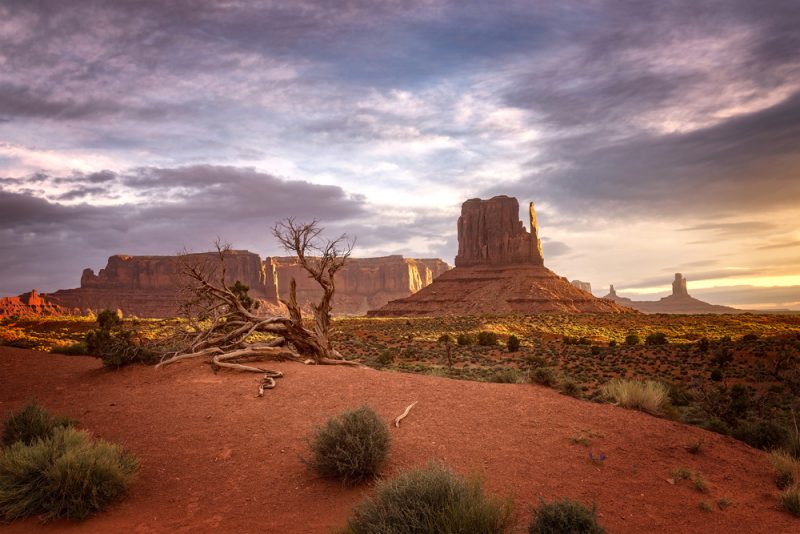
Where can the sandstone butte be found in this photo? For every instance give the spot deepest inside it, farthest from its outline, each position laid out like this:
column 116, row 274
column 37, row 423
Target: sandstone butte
column 678, row 302
column 499, row 269
column 147, row 286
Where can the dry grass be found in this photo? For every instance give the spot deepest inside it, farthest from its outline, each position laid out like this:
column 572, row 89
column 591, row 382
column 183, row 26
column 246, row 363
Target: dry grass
column 646, row 395
column 787, row 468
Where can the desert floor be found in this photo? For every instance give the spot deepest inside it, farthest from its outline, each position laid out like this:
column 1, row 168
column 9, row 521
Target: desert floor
column 216, row 458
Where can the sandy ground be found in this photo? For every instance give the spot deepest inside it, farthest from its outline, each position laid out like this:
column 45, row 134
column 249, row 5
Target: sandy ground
column 217, row 459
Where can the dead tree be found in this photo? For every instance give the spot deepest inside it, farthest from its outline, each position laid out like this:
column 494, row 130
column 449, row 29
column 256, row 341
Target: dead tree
column 222, row 318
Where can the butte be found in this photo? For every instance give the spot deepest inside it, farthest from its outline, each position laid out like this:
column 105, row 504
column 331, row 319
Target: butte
column 499, row 269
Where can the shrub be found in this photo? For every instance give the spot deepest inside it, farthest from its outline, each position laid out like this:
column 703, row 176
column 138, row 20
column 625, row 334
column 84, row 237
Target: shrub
column 385, row 358
column 67, row 474
column 762, row 434
column 790, row 500
column 570, row 387
column 508, row 376
column 716, row 374
column 352, row 446
column 513, row 343
column 73, row 349
column 32, row 422
column 445, row 338
column 545, row 376
column 431, row 499
column 648, row 395
column 750, row 337
column 564, row 516
column 632, row 339
column 656, row 338
column 465, row 339
column 703, row 344
column 612, row 343
column 487, row 339
column 787, row 469
column 115, row 345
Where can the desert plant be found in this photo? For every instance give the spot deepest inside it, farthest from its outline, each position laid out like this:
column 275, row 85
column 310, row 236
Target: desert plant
column 787, row 468
column 431, row 499
column 656, row 338
column 487, row 339
column 67, row 474
column 465, row 339
column 632, row 339
column 30, row 423
column 513, row 343
column 445, row 338
column 352, row 446
column 545, row 376
column 764, row 434
column 72, row 349
column 564, row 516
column 646, row 395
column 790, row 500
column 508, row 376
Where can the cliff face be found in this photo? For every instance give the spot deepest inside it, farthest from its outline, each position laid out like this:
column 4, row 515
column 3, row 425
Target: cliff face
column 490, row 233
column 363, row 283
column 499, row 269
column 148, row 286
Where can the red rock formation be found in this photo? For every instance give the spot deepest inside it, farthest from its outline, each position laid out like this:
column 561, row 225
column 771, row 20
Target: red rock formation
column 490, row 233
column 585, row 286
column 679, row 302
column 147, row 286
column 499, row 269
column 31, row 303
column 363, row 283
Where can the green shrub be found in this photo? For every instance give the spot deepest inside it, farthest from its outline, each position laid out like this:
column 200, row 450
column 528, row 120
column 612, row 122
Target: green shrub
column 352, row 446
column 762, row 434
column 445, row 338
column 30, row 423
column 790, row 500
column 513, row 343
column 73, row 349
column 632, row 339
column 487, row 339
column 656, row 338
column 570, row 387
column 703, row 344
column 114, row 344
column 545, row 376
column 508, row 376
column 67, row 474
column 431, row 499
column 564, row 517
column 465, row 339
column 646, row 395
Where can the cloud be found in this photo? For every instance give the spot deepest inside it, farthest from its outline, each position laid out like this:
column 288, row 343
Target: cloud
column 46, row 243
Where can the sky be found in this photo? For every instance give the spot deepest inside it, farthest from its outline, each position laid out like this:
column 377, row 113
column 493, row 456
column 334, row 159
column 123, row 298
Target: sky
column 654, row 137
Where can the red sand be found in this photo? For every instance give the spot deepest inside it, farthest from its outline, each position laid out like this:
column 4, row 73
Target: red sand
column 215, row 458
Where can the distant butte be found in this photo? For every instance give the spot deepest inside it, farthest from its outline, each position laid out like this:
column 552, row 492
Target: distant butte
column 678, row 302
column 147, row 286
column 499, row 269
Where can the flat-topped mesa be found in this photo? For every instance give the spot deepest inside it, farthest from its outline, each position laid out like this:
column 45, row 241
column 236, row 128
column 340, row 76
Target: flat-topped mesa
column 490, row 233
column 679, row 286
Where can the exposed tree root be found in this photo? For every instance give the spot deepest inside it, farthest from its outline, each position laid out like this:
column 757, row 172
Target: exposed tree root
column 404, row 414
column 223, row 317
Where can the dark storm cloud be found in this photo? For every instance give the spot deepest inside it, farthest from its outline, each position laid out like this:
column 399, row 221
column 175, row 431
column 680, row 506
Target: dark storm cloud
column 239, row 205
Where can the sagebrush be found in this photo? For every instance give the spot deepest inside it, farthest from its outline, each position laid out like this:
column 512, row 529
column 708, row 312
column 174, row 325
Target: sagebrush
column 431, row 499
